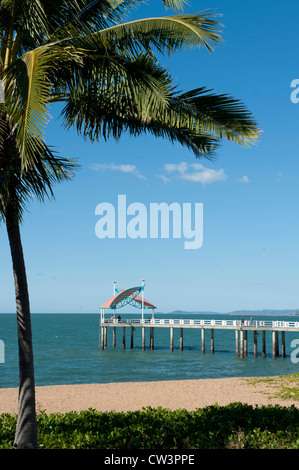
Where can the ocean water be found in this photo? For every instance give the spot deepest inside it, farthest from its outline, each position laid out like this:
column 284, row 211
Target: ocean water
column 66, row 351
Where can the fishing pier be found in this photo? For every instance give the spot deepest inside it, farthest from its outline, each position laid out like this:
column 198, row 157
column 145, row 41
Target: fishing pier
column 242, row 328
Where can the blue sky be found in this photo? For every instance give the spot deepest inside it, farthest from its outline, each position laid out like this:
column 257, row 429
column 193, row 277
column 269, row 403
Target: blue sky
column 250, row 256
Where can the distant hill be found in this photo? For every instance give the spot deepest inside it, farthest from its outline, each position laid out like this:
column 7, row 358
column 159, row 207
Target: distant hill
column 286, row 312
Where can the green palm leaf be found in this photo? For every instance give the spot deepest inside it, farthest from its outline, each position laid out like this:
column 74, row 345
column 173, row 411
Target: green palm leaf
column 221, row 115
column 18, row 187
column 138, row 87
column 26, row 97
column 175, row 4
column 93, row 15
column 110, row 79
column 169, row 33
column 25, row 25
column 130, row 98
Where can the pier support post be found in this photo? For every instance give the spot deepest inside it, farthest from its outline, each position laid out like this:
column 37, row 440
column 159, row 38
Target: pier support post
column 277, row 344
column 124, row 337
column 245, row 343
column 237, row 342
column 181, row 339
column 255, row 343
column 274, row 344
column 152, row 337
column 171, row 339
column 143, row 338
column 212, row 340
column 132, row 337
column 242, row 343
column 102, row 337
column 203, row 348
column 264, row 343
column 105, row 337
column 114, row 337
column 283, row 344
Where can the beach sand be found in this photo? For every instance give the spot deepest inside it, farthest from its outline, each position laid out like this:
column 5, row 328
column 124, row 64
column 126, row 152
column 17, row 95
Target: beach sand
column 188, row 394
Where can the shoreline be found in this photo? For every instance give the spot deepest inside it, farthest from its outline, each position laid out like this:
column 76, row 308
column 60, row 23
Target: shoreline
column 131, row 396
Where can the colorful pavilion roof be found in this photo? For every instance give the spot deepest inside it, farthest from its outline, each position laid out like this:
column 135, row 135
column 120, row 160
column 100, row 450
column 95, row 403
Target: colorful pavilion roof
column 128, row 296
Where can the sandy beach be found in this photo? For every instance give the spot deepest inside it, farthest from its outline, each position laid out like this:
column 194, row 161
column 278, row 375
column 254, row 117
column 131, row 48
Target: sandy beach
column 188, row 394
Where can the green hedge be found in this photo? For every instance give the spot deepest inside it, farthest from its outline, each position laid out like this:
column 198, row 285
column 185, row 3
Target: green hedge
column 215, row 427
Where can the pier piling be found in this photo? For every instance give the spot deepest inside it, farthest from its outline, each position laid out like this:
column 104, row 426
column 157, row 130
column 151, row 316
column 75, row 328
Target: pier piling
column 171, row 339
column 203, row 348
column 255, row 343
column 274, row 344
column 152, row 338
column 143, row 338
column 212, row 341
column 264, row 344
column 237, row 342
column 101, row 338
column 181, row 340
column 104, row 337
column 283, row 344
column 124, row 338
column 242, row 343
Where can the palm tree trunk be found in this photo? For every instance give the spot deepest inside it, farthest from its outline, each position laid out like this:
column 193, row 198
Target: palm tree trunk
column 26, row 432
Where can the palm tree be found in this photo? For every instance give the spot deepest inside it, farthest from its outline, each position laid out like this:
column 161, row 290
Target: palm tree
column 106, row 73
column 16, row 189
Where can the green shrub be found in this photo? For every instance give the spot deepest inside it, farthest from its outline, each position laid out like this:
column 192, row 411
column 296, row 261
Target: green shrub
column 215, row 427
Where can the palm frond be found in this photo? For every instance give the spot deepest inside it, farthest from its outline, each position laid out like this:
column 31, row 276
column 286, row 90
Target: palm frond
column 111, row 80
column 129, row 98
column 175, row 4
column 18, row 187
column 201, row 144
column 26, row 21
column 93, row 15
column 169, row 33
column 27, row 91
column 222, row 115
column 136, row 87
column 107, row 118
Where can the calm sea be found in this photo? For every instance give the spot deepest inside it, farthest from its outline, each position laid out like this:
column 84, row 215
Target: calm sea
column 66, row 351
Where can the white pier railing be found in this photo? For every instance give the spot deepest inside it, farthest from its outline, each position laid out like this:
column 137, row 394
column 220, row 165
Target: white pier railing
column 211, row 323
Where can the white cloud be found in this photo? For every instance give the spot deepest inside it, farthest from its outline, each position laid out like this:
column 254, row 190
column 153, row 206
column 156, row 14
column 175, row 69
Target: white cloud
column 181, row 167
column 163, row 178
column 124, row 168
column 196, row 172
column 244, row 179
column 206, row 176
column 278, row 176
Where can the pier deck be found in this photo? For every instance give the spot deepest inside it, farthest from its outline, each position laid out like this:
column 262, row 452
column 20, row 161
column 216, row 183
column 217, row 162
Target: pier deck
column 241, row 328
